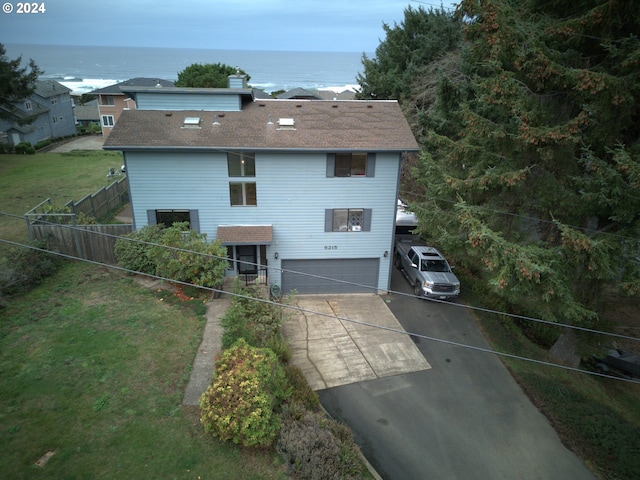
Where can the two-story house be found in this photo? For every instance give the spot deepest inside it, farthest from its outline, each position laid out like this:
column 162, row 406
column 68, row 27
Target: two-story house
column 304, row 188
column 45, row 114
column 112, row 101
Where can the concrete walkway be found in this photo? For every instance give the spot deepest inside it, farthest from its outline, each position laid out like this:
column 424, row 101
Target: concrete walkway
column 203, row 365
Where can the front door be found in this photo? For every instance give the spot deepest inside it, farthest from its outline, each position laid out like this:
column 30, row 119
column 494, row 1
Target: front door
column 247, row 259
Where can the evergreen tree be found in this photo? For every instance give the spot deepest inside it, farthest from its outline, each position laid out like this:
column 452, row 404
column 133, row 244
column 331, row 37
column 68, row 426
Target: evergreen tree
column 208, row 75
column 532, row 162
column 420, row 39
column 16, row 83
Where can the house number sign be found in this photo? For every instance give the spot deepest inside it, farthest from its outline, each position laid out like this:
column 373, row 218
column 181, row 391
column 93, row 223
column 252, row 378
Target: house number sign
column 330, row 247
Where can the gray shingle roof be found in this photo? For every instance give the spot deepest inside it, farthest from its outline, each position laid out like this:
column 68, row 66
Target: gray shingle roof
column 318, row 125
column 133, row 82
column 50, row 88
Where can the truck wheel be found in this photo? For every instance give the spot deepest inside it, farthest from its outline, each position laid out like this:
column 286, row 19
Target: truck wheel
column 417, row 289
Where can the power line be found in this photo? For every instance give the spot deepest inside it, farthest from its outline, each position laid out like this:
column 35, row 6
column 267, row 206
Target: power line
column 516, row 215
column 346, row 282
column 304, row 310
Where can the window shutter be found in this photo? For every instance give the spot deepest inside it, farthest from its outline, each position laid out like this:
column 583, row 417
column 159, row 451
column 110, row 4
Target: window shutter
column 371, row 164
column 366, row 220
column 331, row 164
column 328, row 220
column 194, row 220
column 151, row 217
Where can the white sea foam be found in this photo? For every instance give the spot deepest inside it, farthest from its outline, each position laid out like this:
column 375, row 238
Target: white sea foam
column 86, row 85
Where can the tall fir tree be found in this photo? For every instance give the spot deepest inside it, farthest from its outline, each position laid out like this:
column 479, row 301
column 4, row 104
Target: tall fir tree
column 532, row 154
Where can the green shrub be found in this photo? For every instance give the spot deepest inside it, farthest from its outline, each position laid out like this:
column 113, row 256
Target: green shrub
column 257, row 322
column 5, row 148
column 25, row 268
column 191, row 258
column 21, row 148
column 301, row 392
column 240, row 405
column 315, row 447
column 132, row 254
column 42, row 144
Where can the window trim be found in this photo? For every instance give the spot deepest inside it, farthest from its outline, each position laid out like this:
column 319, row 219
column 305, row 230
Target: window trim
column 194, row 217
column 329, row 216
column 244, row 194
column 243, row 157
column 108, row 120
column 370, row 165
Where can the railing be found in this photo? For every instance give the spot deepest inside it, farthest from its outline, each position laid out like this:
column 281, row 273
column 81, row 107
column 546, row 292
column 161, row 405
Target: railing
column 258, row 277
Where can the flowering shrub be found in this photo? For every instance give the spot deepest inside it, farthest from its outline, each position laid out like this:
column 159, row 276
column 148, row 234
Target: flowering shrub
column 240, row 405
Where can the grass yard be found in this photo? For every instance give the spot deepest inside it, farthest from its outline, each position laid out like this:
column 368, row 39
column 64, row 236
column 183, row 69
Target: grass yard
column 27, row 180
column 93, row 369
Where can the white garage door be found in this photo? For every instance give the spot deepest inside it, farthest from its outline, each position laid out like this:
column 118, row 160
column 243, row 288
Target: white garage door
column 356, row 271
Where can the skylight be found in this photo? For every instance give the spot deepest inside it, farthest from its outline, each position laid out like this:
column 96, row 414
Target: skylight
column 191, row 122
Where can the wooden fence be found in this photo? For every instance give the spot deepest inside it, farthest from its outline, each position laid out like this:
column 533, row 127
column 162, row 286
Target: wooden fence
column 61, row 233
column 91, row 242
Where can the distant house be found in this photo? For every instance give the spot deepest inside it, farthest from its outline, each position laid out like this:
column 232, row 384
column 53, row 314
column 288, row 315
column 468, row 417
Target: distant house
column 87, row 114
column 302, row 191
column 47, row 113
column 112, row 101
column 299, row 94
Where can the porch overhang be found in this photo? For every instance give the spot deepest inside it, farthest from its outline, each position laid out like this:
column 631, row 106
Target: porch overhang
column 245, row 234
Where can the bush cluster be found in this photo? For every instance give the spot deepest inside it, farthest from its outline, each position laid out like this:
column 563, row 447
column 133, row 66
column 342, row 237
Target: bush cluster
column 23, row 269
column 174, row 252
column 253, row 408
column 24, row 148
column 240, row 405
column 315, row 447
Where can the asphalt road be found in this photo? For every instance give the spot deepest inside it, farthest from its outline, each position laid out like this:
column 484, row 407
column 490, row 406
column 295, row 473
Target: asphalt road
column 465, row 418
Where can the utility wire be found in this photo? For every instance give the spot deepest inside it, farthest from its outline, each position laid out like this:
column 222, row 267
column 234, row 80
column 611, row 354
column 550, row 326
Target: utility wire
column 346, row 282
column 305, row 310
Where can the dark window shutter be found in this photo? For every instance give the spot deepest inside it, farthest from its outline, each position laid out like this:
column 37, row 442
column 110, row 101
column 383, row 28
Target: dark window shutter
column 328, row 220
column 366, row 220
column 331, row 164
column 371, row 165
column 151, row 217
column 194, row 220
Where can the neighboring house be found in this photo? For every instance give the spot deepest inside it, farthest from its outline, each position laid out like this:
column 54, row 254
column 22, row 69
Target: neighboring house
column 47, row 113
column 299, row 94
column 287, row 185
column 112, row 101
column 87, row 114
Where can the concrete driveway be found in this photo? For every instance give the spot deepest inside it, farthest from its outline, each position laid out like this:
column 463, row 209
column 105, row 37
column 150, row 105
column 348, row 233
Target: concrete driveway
column 465, row 418
column 333, row 351
column 88, row 142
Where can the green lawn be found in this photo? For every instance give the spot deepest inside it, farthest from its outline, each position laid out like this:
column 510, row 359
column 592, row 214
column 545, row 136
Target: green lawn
column 94, row 368
column 27, row 180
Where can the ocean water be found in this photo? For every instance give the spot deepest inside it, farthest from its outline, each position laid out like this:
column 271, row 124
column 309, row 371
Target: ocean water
column 83, row 69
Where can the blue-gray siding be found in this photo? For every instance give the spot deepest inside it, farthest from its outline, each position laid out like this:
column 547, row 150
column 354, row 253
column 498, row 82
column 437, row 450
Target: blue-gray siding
column 293, row 194
column 176, row 101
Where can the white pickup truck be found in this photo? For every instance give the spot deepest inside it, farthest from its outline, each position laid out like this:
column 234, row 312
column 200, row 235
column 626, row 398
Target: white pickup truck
column 426, row 269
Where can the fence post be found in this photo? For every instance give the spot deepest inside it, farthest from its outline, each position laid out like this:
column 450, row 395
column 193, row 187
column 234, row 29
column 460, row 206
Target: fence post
column 77, row 237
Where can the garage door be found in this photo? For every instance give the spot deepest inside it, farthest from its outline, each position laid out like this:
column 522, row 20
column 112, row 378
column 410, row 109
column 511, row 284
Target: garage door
column 359, row 271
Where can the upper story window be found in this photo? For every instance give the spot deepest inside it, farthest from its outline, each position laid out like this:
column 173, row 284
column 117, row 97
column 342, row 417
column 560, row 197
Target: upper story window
column 357, row 164
column 108, row 121
column 27, row 105
column 107, row 100
column 243, row 194
column 54, row 100
column 241, row 164
column 347, row 220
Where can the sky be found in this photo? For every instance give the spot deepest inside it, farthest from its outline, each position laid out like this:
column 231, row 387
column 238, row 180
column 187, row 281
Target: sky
column 288, row 25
